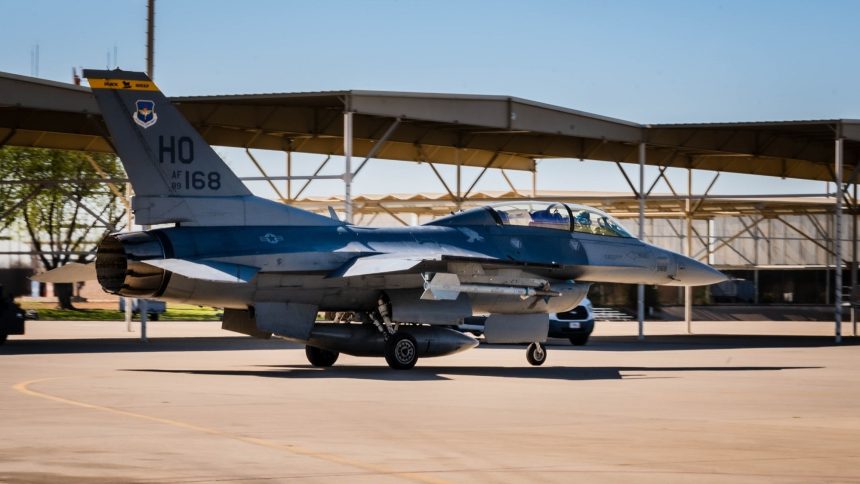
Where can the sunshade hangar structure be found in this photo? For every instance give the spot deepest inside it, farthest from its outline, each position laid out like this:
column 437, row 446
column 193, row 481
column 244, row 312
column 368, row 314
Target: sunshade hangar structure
column 489, row 132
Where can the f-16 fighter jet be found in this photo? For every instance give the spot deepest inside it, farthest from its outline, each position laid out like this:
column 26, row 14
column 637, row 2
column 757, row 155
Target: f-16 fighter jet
column 274, row 267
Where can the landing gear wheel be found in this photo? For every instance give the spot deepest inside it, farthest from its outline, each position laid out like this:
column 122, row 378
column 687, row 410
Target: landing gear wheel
column 401, row 351
column 320, row 357
column 536, row 354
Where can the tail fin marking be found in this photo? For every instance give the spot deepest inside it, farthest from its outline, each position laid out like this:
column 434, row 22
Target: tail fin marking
column 177, row 177
column 163, row 154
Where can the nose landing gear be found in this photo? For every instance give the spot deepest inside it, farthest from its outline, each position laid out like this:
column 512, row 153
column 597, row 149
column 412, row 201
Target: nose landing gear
column 536, row 354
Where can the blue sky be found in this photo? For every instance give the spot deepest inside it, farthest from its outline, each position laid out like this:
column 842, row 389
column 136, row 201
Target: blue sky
column 645, row 61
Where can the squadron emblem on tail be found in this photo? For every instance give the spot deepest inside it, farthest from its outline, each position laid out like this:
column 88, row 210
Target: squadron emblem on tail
column 144, row 113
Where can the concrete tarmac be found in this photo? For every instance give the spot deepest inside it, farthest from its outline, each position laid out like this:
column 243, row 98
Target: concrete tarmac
column 85, row 402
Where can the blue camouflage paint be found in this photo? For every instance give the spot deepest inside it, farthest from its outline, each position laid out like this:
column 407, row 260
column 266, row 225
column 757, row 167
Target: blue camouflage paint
column 537, row 246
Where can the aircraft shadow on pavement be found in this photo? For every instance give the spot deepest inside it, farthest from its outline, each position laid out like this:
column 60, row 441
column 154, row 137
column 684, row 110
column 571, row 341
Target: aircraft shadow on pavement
column 241, row 343
column 133, row 345
column 432, row 373
column 700, row 342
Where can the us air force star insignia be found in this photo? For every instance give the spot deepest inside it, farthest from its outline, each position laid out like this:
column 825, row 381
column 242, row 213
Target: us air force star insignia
column 144, row 113
column 271, row 238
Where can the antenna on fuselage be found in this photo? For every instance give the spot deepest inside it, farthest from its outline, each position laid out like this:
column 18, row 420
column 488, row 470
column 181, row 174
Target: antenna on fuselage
column 333, row 214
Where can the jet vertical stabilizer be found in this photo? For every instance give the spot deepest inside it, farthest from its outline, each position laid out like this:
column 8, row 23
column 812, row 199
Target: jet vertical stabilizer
column 177, row 177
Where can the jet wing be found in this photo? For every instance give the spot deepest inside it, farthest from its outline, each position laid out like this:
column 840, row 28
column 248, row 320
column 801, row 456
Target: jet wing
column 206, row 270
column 377, row 264
column 390, row 263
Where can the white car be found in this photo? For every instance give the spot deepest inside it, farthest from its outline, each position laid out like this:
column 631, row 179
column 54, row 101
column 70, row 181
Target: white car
column 576, row 325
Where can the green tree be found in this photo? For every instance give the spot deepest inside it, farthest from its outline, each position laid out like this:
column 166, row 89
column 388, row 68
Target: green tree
column 59, row 202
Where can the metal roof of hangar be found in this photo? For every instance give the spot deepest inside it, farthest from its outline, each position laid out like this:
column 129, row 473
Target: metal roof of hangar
column 802, row 149
column 47, row 114
column 472, row 130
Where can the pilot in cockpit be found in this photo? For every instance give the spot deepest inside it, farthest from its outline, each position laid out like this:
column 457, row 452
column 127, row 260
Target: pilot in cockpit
column 583, row 220
column 548, row 217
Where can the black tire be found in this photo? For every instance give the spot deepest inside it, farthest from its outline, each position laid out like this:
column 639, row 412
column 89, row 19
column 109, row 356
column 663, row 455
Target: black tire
column 320, row 357
column 401, row 351
column 579, row 340
column 536, row 354
column 3, row 337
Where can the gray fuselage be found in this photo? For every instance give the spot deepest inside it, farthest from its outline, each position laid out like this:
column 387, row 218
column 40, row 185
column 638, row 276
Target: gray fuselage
column 302, row 263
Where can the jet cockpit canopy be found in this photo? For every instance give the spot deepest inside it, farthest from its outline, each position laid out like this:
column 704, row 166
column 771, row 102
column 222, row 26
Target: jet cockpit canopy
column 560, row 216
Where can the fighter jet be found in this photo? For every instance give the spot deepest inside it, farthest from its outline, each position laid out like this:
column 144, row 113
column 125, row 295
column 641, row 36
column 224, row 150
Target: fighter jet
column 396, row 291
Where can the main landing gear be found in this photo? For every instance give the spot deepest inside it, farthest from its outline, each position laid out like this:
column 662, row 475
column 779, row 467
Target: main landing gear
column 536, row 354
column 401, row 351
column 399, row 347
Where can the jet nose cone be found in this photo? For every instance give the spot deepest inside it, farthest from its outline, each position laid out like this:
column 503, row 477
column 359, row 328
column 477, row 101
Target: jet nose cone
column 694, row 273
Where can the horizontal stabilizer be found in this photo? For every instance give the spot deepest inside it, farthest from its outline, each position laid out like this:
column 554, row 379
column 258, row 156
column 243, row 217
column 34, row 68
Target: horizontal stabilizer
column 71, row 272
column 206, row 270
column 376, row 264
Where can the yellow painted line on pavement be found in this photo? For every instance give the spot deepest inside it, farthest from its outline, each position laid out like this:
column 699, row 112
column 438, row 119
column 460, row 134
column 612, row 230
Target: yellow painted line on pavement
column 24, row 387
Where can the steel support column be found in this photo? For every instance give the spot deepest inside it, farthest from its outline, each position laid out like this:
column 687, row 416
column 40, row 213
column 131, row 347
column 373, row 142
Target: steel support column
column 688, row 251
column 150, row 39
column 837, row 240
column 289, row 175
column 755, row 285
column 712, row 229
column 854, row 259
column 347, row 174
column 459, row 200
column 829, row 246
column 143, row 312
column 640, row 290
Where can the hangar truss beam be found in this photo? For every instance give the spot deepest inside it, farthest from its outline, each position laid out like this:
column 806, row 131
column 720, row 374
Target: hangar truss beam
column 440, row 128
